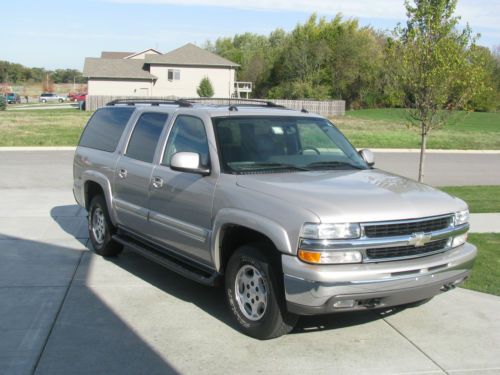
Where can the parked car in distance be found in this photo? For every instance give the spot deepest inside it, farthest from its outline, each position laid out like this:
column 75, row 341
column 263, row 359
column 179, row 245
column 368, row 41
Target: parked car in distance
column 77, row 97
column 274, row 204
column 12, row 98
column 50, row 97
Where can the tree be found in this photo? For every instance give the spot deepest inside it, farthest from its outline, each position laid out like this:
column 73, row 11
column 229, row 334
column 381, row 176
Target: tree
column 434, row 65
column 205, row 90
column 3, row 103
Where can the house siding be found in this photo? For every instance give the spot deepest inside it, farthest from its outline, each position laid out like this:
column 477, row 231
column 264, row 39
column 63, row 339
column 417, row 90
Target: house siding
column 123, row 87
column 222, row 79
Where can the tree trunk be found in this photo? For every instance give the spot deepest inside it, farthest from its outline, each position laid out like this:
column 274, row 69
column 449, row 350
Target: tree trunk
column 423, row 146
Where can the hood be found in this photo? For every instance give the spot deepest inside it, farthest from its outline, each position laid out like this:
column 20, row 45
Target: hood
column 354, row 196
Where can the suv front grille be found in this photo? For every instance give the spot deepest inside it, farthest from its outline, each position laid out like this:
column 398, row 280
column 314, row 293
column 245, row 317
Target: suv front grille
column 406, row 227
column 406, row 251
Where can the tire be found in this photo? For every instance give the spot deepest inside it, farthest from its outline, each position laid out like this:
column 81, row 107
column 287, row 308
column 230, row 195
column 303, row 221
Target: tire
column 101, row 229
column 260, row 312
column 61, row 100
column 44, row 101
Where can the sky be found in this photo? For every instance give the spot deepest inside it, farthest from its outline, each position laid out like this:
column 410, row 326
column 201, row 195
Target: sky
column 55, row 34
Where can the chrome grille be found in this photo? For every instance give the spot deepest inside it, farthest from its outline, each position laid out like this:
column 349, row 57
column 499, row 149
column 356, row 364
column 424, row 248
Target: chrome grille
column 406, row 227
column 406, row 251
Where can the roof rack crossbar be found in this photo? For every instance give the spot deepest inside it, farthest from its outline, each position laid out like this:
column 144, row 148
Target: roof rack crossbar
column 236, row 102
column 179, row 102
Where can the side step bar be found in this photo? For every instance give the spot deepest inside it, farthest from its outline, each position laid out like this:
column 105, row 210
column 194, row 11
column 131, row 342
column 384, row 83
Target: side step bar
column 183, row 268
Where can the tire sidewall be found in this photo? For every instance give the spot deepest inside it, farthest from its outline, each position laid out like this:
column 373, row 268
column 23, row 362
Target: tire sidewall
column 99, row 202
column 261, row 328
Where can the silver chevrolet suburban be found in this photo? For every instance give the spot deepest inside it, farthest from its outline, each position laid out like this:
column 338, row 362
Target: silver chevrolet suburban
column 274, row 204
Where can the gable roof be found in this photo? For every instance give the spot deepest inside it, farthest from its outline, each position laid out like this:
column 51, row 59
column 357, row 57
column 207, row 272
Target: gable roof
column 147, row 51
column 189, row 55
column 115, row 55
column 115, row 68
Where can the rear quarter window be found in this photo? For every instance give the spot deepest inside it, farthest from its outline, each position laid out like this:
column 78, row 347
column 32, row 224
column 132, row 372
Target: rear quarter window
column 105, row 128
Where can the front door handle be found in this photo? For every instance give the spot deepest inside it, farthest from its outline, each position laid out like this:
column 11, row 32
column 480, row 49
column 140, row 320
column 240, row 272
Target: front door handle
column 157, row 182
column 122, row 173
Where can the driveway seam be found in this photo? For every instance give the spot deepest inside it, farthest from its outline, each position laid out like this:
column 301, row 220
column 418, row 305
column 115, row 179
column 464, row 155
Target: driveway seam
column 416, row 346
column 57, row 314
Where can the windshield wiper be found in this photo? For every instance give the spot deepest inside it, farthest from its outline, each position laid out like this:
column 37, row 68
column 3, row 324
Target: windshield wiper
column 253, row 166
column 331, row 164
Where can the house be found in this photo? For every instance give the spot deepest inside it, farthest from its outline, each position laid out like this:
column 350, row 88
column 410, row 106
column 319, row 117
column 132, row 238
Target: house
column 150, row 73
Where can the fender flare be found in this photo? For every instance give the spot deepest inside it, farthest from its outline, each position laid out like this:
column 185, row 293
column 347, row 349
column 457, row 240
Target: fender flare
column 267, row 227
column 105, row 184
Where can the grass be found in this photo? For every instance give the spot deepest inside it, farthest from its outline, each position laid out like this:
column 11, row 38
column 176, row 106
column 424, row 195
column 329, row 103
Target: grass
column 479, row 198
column 386, row 128
column 61, row 127
column 375, row 128
column 485, row 276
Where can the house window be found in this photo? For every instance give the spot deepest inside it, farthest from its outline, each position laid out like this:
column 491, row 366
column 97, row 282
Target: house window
column 174, row 74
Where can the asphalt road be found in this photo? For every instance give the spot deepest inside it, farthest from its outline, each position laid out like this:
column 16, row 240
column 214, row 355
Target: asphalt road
column 444, row 169
column 441, row 170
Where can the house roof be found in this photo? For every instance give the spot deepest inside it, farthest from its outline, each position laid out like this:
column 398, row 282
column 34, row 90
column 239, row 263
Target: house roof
column 115, row 55
column 149, row 51
column 189, row 55
column 115, row 68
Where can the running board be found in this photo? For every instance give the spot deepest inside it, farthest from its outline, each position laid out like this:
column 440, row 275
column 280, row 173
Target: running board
column 183, row 268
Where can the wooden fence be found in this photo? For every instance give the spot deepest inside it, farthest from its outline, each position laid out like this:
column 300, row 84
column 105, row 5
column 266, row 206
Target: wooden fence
column 322, row 107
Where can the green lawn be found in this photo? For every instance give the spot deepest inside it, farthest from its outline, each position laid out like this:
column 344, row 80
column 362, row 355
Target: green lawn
column 479, row 198
column 44, row 127
column 386, row 128
column 485, row 276
column 375, row 128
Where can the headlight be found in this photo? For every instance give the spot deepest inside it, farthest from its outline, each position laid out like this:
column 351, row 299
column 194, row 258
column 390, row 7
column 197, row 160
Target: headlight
column 461, row 217
column 330, row 257
column 330, row 231
column 459, row 240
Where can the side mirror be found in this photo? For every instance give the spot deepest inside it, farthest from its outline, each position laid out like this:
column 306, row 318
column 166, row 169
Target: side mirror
column 188, row 162
column 367, row 156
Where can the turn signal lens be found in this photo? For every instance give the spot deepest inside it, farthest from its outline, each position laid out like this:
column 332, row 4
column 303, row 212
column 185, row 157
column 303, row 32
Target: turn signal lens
column 330, row 257
column 310, row 256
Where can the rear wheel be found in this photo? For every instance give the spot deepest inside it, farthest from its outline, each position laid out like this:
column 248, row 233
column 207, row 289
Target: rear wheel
column 255, row 294
column 101, row 229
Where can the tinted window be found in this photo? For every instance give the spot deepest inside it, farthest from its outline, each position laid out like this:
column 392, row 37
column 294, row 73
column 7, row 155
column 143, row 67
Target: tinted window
column 145, row 136
column 187, row 135
column 105, row 128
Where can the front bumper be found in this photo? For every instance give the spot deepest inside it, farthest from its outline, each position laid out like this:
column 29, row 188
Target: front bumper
column 314, row 289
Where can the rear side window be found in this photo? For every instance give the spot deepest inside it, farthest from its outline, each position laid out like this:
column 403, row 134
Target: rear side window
column 105, row 128
column 145, row 136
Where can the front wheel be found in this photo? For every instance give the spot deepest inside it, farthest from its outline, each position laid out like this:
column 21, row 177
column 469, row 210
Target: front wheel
column 255, row 294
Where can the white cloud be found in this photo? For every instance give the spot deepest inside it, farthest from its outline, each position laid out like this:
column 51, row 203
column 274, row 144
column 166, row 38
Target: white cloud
column 479, row 13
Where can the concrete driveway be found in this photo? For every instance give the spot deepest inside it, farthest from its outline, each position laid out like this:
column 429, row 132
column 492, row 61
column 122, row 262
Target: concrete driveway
column 64, row 310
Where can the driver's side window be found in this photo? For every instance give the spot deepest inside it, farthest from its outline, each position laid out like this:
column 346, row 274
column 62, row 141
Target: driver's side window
column 187, row 135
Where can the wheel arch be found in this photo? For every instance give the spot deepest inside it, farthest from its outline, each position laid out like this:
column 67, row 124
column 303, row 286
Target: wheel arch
column 96, row 183
column 234, row 228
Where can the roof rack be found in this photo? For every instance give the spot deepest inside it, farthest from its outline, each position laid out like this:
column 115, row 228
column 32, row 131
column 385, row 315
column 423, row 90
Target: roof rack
column 155, row 102
column 189, row 102
column 236, row 102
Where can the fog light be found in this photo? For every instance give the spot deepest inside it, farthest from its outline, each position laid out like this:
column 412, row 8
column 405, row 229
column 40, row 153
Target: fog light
column 459, row 240
column 344, row 304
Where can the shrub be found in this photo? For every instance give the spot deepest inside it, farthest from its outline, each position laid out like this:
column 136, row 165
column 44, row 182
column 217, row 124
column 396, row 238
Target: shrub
column 205, row 90
column 3, row 103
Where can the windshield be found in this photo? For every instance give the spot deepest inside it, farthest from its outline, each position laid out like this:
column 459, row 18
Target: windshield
column 270, row 143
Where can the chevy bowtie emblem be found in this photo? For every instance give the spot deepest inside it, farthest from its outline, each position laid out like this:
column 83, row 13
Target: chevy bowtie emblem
column 419, row 239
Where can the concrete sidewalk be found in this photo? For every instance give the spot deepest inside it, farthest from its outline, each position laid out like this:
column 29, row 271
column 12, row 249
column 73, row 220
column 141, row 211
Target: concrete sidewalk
column 485, row 223
column 67, row 311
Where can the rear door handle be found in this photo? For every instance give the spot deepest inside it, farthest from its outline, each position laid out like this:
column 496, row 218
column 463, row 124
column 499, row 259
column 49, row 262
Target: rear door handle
column 122, row 173
column 157, row 182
